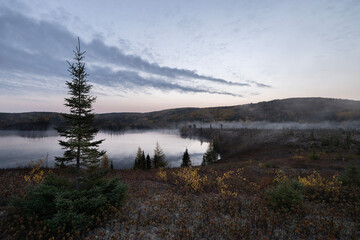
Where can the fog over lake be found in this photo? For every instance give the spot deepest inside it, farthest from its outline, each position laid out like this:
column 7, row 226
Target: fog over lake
column 18, row 148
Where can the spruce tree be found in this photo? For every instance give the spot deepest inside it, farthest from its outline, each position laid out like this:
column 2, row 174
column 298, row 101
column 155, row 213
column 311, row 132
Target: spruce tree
column 210, row 156
column 143, row 161
column 80, row 147
column 148, row 162
column 159, row 157
column 186, row 162
column 138, row 158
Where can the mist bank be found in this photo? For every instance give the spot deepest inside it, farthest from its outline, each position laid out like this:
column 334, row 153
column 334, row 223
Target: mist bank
column 184, row 126
column 274, row 125
column 286, row 113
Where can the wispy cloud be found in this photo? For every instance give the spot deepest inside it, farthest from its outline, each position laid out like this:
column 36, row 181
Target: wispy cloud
column 260, row 85
column 32, row 47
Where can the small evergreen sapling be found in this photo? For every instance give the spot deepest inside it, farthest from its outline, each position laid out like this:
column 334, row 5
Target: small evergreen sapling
column 159, row 157
column 148, row 162
column 210, row 156
column 140, row 162
column 186, row 162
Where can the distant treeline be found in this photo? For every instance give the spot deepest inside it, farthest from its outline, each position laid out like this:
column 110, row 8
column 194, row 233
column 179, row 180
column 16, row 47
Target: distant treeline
column 287, row 110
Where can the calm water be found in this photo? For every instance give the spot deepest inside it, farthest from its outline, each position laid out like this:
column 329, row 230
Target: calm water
column 19, row 148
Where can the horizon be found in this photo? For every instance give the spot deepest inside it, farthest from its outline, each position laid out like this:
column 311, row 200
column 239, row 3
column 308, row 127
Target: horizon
column 150, row 56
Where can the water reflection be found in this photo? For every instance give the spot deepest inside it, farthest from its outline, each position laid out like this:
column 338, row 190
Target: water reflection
column 18, row 148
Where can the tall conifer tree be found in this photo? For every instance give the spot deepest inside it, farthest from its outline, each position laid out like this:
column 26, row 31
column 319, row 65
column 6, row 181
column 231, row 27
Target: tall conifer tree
column 80, row 147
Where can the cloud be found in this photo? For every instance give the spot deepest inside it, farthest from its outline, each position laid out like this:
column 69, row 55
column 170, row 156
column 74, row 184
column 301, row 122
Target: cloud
column 260, row 85
column 97, row 49
column 131, row 80
column 30, row 47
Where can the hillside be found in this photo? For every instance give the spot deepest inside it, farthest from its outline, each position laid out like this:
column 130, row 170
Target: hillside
column 286, row 110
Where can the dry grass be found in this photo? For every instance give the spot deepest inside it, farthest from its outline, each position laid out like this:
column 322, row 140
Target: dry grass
column 228, row 205
column 224, row 201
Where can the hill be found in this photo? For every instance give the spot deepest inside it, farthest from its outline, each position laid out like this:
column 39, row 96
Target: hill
column 285, row 110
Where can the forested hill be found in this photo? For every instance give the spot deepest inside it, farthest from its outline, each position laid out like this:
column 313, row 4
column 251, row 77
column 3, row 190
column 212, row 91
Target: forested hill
column 286, row 110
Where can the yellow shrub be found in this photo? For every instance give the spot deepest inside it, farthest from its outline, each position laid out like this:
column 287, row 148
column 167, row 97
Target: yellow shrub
column 36, row 174
column 223, row 186
column 316, row 181
column 280, row 177
column 162, row 175
column 190, row 179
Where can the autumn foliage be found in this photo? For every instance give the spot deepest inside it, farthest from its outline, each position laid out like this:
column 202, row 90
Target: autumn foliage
column 213, row 202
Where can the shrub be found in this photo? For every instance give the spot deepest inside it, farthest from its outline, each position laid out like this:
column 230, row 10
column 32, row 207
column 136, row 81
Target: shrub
column 280, row 177
column 351, row 176
column 314, row 155
column 37, row 173
column 189, row 179
column 162, row 175
column 318, row 188
column 224, row 188
column 285, row 195
column 61, row 207
column 105, row 163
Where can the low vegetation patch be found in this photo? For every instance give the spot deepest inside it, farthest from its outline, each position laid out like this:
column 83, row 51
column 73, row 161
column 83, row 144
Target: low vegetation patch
column 54, row 208
column 211, row 202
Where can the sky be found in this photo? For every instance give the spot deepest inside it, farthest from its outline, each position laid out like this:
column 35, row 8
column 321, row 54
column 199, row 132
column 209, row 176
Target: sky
column 151, row 55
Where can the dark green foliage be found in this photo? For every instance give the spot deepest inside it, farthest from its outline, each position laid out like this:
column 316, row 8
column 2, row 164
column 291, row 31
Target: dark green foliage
column 111, row 165
column 140, row 161
column 39, row 201
column 267, row 165
column 148, row 162
column 61, row 206
column 210, row 156
column 216, row 142
column 80, row 147
column 186, row 162
column 348, row 140
column 351, row 176
column 314, row 155
column 286, row 195
column 58, row 182
column 159, row 160
column 143, row 161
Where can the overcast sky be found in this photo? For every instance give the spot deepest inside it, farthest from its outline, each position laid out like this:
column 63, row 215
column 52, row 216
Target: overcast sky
column 151, row 55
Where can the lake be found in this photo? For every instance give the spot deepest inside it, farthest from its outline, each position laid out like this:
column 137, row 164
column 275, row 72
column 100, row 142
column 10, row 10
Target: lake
column 18, row 148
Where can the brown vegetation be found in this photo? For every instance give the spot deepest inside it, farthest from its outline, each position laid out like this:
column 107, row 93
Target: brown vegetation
column 222, row 201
